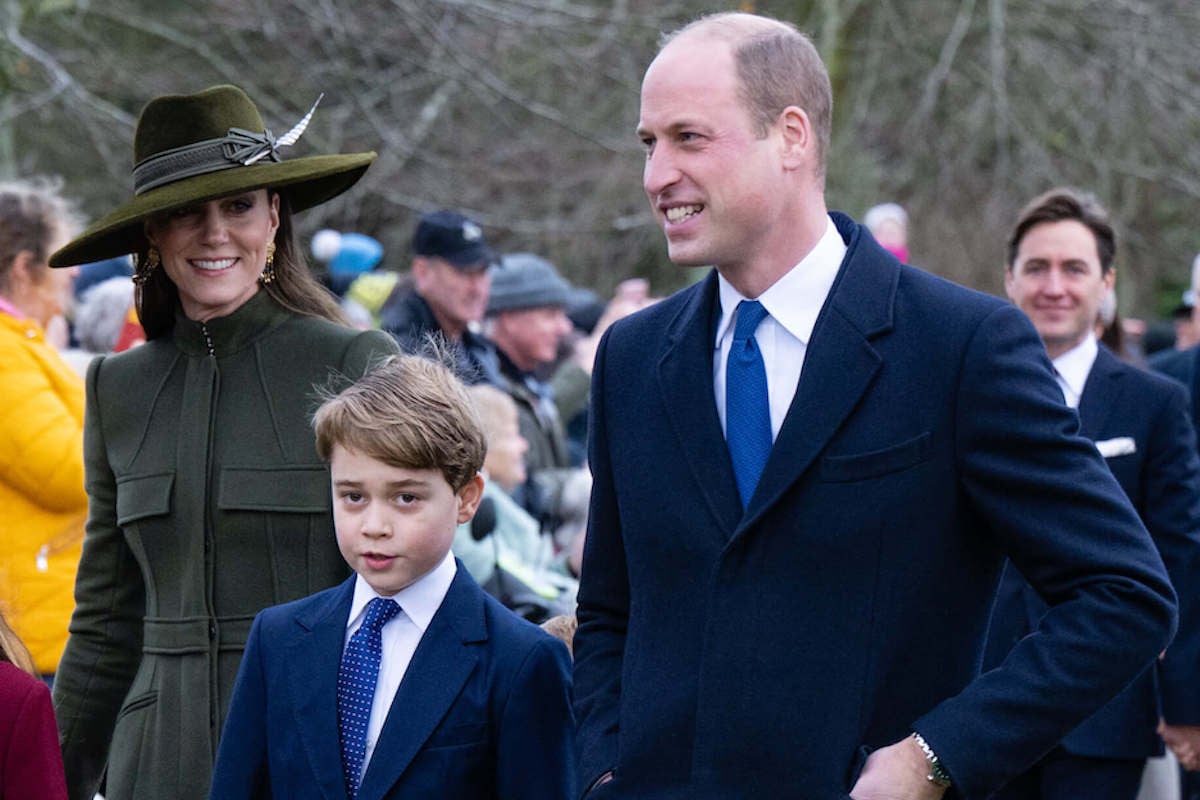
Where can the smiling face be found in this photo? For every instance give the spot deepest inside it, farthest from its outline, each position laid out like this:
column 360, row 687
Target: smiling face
column 395, row 524
column 718, row 189
column 1057, row 280
column 214, row 252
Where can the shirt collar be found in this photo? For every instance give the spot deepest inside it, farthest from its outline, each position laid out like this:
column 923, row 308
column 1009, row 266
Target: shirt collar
column 1075, row 365
column 419, row 600
column 795, row 300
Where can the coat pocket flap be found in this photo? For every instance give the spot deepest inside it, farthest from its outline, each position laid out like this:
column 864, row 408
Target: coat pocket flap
column 142, row 496
column 301, row 490
column 874, row 464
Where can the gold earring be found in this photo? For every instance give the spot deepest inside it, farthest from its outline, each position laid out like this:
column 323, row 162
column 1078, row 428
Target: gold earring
column 268, row 273
column 144, row 269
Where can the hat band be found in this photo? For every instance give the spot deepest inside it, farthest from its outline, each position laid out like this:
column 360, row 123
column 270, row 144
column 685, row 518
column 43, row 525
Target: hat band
column 237, row 148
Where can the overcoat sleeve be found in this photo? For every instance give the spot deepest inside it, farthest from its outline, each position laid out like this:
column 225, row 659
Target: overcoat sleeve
column 1052, row 506
column 105, row 644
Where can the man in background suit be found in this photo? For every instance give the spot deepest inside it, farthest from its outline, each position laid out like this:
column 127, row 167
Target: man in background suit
column 814, row 628
column 1060, row 267
column 1182, row 364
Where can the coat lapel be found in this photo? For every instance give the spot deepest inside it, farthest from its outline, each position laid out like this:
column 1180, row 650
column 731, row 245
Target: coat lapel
column 313, row 660
column 443, row 662
column 839, row 364
column 1100, row 392
column 685, row 371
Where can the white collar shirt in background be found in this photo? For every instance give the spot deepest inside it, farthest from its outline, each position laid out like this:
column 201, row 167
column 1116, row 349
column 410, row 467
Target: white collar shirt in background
column 1072, row 368
column 792, row 303
column 418, row 603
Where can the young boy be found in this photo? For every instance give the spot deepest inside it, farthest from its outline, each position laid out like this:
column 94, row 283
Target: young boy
column 407, row 680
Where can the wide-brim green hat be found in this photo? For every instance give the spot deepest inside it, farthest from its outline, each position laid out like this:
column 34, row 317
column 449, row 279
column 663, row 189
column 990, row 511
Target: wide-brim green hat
column 197, row 147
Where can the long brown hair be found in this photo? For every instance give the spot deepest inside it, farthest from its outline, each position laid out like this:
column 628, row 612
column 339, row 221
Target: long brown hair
column 294, row 286
column 13, row 650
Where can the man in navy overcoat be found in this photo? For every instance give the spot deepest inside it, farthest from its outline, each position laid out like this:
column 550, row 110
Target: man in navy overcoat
column 1060, row 268
column 819, row 636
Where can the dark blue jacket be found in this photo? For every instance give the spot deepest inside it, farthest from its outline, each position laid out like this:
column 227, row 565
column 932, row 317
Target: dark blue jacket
column 1160, row 473
column 762, row 654
column 483, row 710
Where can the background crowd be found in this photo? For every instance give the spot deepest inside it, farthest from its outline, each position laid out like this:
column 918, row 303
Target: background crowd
column 182, row 532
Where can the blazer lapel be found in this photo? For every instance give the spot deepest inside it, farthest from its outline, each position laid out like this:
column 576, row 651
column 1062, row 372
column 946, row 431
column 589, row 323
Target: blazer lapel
column 839, row 365
column 443, row 662
column 1100, row 391
column 685, row 371
column 313, row 659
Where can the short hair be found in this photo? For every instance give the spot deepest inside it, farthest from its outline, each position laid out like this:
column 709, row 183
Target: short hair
column 34, row 218
column 777, row 66
column 409, row 412
column 1062, row 204
column 494, row 407
column 877, row 215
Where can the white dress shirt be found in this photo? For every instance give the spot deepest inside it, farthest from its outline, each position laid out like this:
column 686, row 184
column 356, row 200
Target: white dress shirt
column 792, row 303
column 1072, row 368
column 418, row 603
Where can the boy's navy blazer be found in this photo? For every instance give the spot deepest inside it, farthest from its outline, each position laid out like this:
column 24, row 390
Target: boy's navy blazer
column 1160, row 472
column 483, row 709
column 762, row 654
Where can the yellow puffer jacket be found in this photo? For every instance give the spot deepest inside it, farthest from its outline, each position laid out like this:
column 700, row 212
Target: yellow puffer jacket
column 42, row 501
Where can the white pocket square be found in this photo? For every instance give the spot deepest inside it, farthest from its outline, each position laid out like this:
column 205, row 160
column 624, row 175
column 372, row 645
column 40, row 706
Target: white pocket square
column 1121, row 446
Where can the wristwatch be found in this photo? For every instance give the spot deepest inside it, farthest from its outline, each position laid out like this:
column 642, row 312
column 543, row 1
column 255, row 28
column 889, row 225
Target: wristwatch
column 937, row 773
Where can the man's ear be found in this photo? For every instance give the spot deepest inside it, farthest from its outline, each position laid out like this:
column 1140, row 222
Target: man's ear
column 469, row 497
column 798, row 139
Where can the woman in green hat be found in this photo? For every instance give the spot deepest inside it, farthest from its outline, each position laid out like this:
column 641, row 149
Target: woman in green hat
column 207, row 501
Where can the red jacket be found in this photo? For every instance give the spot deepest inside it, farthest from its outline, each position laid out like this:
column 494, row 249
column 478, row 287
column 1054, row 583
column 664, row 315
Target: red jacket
column 30, row 761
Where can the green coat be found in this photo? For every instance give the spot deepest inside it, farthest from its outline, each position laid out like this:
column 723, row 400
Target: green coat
column 207, row 504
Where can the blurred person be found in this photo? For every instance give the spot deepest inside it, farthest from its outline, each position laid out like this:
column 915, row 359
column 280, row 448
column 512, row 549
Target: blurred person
column 888, row 223
column 102, row 322
column 347, row 257
column 1187, row 332
column 808, row 468
column 571, row 378
column 97, row 272
column 512, row 560
column 526, row 320
column 1182, row 364
column 448, row 294
column 41, row 424
column 30, row 760
column 1060, row 272
column 208, row 500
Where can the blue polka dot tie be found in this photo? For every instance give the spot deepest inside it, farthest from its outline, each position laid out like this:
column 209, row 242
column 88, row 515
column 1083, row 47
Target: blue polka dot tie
column 356, row 688
column 747, row 407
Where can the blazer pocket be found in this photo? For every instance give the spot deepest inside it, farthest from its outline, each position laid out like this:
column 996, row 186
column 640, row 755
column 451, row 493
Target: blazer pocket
column 862, row 466
column 459, row 735
column 287, row 488
column 141, row 496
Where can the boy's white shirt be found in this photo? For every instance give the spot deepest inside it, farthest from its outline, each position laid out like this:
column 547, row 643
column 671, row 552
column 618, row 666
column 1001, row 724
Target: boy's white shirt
column 418, row 601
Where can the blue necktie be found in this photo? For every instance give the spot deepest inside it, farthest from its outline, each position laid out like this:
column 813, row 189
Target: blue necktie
column 747, row 409
column 356, row 688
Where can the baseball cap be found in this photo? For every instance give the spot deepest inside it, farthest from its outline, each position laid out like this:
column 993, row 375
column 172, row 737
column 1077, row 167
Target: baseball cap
column 453, row 237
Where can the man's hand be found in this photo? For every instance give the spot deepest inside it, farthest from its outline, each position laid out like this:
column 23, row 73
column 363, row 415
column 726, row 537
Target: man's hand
column 897, row 772
column 1184, row 741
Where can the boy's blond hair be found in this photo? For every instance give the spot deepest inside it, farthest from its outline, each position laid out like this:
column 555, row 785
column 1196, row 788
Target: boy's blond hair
column 409, row 412
column 494, row 406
